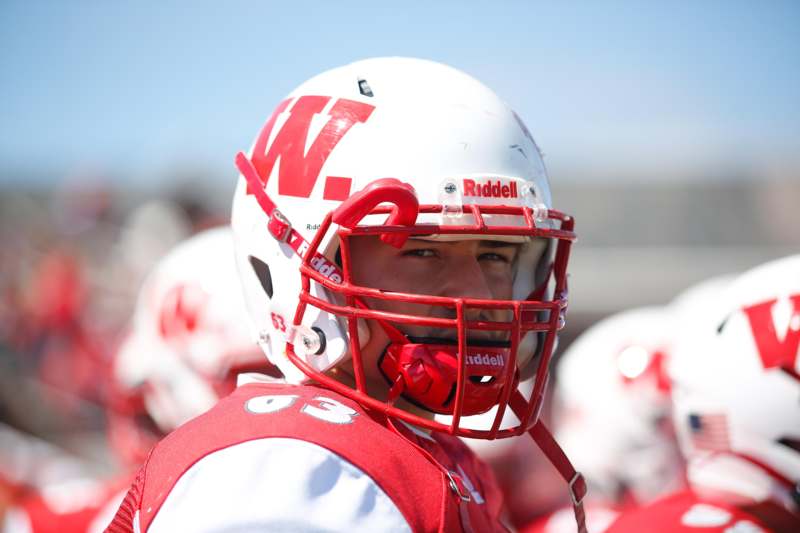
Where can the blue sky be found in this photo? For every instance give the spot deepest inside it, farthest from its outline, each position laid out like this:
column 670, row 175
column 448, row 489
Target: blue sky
column 140, row 87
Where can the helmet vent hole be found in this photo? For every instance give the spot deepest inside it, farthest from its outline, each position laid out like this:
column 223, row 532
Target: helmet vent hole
column 793, row 444
column 363, row 88
column 262, row 273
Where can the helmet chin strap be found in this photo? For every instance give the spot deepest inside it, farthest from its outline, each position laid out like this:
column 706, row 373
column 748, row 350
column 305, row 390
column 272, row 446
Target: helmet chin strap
column 544, row 440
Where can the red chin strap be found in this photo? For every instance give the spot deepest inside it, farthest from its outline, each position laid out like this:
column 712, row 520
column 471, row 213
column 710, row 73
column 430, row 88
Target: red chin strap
column 427, row 375
column 576, row 484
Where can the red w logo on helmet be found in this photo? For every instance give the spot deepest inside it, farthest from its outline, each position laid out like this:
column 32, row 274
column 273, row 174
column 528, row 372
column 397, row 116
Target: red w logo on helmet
column 776, row 351
column 181, row 311
column 299, row 169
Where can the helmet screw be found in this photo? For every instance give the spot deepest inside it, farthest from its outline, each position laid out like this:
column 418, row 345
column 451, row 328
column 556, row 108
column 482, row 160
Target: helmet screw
column 314, row 341
column 450, row 188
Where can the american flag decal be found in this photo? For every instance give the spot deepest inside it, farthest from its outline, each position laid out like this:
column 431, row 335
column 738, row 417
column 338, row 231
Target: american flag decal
column 709, row 432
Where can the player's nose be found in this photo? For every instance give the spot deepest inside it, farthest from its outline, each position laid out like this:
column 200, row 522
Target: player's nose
column 466, row 279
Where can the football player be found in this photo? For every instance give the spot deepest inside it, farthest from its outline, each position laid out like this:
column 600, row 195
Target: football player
column 400, row 258
column 736, row 384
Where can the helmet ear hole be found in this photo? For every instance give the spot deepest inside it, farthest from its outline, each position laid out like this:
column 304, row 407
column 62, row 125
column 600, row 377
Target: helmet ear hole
column 793, row 444
column 262, row 272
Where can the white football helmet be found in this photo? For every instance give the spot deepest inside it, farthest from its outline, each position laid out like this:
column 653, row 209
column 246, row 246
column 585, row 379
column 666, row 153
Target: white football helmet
column 189, row 338
column 444, row 158
column 612, row 407
column 736, row 389
column 698, row 304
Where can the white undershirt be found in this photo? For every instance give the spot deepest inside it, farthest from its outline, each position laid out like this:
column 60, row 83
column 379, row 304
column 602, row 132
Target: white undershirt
column 276, row 484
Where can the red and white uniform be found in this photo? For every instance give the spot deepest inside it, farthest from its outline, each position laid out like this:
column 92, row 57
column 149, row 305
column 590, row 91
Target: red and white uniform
column 77, row 506
column 690, row 513
column 275, row 457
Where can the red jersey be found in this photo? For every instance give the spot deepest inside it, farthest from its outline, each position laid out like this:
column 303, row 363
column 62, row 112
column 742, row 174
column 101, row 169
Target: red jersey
column 292, row 458
column 690, row 513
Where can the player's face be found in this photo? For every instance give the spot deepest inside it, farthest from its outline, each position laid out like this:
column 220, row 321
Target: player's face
column 462, row 269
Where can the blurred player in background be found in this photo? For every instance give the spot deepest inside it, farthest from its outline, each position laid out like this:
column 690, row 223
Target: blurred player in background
column 612, row 415
column 188, row 341
column 69, row 282
column 736, row 385
column 613, row 406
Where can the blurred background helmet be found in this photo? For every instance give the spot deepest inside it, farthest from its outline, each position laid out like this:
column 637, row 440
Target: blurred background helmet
column 737, row 384
column 188, row 339
column 612, row 407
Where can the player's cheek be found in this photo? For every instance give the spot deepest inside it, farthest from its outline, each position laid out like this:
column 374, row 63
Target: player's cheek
column 500, row 280
column 418, row 277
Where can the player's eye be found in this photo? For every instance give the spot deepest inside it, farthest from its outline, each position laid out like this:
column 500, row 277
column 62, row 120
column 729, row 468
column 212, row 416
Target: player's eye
column 494, row 256
column 420, row 252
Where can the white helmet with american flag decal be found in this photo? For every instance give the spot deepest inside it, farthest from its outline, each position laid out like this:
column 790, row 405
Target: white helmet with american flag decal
column 612, row 406
column 736, row 389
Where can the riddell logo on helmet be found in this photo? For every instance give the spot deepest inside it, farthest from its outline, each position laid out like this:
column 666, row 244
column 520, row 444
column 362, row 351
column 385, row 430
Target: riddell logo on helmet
column 490, row 189
column 485, row 359
column 326, row 268
column 319, row 262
